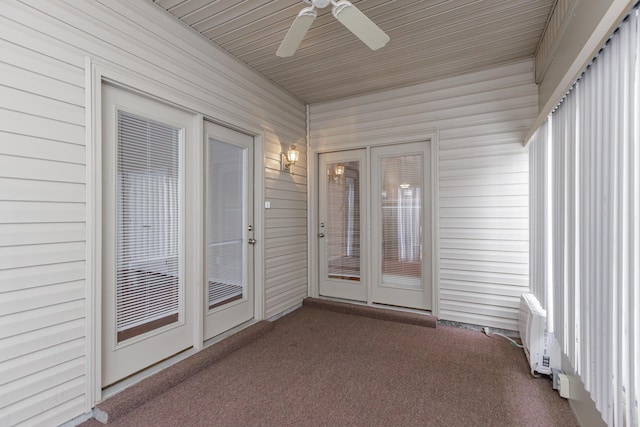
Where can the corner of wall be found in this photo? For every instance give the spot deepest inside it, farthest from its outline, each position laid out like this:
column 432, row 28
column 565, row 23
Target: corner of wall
column 583, row 407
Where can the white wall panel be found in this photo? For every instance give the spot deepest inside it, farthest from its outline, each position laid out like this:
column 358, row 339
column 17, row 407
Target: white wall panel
column 43, row 176
column 480, row 119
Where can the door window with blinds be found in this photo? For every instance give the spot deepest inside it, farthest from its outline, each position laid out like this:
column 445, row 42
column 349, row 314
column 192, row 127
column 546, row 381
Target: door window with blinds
column 343, row 220
column 225, row 219
column 400, row 206
column 148, row 235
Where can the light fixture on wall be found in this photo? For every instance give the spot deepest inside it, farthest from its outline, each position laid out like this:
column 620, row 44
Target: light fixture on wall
column 334, row 172
column 289, row 159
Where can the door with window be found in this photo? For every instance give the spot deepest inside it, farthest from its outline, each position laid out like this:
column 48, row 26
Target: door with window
column 401, row 225
column 375, row 240
column 341, row 220
column 229, row 291
column 147, row 311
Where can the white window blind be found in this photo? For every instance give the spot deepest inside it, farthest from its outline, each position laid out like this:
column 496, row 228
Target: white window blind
column 343, row 220
column 401, row 214
column 592, row 210
column 225, row 215
column 148, row 224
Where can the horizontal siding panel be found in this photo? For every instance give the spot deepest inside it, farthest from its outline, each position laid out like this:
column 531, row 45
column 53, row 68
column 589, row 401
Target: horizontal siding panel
column 272, row 233
column 34, row 298
column 516, row 178
column 53, row 406
column 23, row 212
column 484, row 266
column 29, row 190
column 42, row 275
column 483, row 201
column 40, row 148
column 285, row 213
column 41, row 84
column 276, row 307
column 459, row 314
column 285, row 261
column 277, row 242
column 14, row 369
column 285, row 222
column 481, row 298
column 486, row 223
column 485, row 212
column 40, row 339
column 485, row 245
column 491, row 278
column 281, row 282
column 59, row 414
column 33, row 255
column 484, row 255
column 286, row 250
column 485, row 190
column 484, row 234
column 40, row 127
column 32, row 234
column 24, row 322
column 280, row 194
column 25, row 102
column 477, row 288
column 496, row 311
column 47, row 378
column 45, row 170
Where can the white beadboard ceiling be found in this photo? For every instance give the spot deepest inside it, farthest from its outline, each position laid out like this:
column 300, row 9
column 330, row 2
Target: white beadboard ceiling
column 430, row 39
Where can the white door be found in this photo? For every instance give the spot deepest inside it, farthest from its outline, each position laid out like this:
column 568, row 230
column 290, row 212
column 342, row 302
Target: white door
column 341, row 225
column 229, row 291
column 147, row 302
column 401, row 225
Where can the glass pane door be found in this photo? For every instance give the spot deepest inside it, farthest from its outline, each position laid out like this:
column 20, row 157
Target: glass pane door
column 229, row 236
column 225, row 231
column 401, row 224
column 340, row 225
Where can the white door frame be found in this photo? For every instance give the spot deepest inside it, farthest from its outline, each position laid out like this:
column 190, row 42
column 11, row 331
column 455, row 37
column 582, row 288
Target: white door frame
column 97, row 72
column 312, row 200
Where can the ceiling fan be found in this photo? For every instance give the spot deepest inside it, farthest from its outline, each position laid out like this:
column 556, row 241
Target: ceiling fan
column 345, row 12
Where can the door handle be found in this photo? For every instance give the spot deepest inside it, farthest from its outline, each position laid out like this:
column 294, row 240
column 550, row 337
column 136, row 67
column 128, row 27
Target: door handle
column 251, row 241
column 321, row 235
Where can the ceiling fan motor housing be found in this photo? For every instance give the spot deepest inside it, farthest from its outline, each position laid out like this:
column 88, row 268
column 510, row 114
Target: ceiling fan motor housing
column 320, row 4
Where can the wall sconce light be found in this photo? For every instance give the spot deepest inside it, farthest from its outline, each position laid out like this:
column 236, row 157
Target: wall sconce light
column 334, row 173
column 289, row 159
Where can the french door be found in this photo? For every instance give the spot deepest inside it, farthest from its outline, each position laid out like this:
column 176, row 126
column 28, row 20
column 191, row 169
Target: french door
column 146, row 300
column 341, row 220
column 401, row 225
column 375, row 240
column 229, row 291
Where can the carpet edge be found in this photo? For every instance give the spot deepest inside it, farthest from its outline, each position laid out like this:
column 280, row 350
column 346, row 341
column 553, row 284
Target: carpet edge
column 149, row 388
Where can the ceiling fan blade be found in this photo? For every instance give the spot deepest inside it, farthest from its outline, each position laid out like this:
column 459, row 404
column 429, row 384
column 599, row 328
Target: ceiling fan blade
column 360, row 25
column 297, row 31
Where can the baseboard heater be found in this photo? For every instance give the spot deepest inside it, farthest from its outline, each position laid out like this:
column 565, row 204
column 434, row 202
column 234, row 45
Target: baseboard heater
column 543, row 353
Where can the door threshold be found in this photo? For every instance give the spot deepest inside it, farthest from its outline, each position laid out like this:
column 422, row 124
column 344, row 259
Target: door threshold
column 414, row 317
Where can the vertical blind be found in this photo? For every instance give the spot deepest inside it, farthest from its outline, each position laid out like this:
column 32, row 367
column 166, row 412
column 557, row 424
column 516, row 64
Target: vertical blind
column 585, row 225
column 148, row 221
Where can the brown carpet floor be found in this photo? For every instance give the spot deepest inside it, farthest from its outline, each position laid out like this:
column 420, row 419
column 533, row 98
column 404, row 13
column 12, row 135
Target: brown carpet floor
column 323, row 368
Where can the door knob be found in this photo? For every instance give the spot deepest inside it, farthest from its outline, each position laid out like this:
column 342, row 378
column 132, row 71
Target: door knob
column 252, row 241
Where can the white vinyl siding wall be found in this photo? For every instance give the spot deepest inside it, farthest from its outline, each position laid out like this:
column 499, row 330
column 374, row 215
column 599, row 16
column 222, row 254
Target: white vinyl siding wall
column 480, row 119
column 43, row 212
